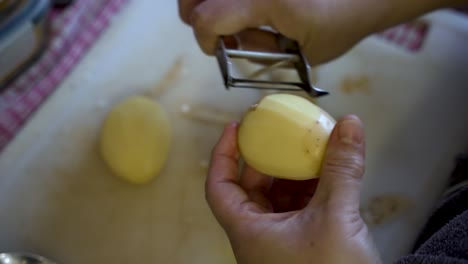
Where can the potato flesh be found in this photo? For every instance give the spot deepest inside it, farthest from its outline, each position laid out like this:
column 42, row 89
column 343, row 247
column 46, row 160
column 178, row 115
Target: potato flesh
column 135, row 139
column 285, row 136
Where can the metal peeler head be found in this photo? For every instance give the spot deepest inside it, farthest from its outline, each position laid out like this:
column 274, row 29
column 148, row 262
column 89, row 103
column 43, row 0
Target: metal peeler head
column 290, row 54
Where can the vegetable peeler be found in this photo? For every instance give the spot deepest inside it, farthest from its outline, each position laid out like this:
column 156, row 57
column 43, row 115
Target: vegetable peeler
column 290, row 54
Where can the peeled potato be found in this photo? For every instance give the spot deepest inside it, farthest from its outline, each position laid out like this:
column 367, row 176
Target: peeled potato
column 135, row 139
column 285, row 136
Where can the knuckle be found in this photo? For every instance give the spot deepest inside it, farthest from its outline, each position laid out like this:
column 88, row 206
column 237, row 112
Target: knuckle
column 199, row 19
column 351, row 164
column 203, row 32
column 185, row 9
column 183, row 15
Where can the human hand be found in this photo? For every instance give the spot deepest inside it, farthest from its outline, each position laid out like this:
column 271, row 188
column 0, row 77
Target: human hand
column 325, row 29
column 316, row 25
column 278, row 221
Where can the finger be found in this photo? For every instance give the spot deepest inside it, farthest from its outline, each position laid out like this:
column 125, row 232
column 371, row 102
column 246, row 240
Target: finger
column 214, row 18
column 254, row 180
column 186, row 8
column 223, row 193
column 258, row 40
column 343, row 167
column 257, row 185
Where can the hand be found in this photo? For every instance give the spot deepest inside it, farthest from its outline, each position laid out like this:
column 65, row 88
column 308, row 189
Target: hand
column 282, row 221
column 316, row 25
column 325, row 29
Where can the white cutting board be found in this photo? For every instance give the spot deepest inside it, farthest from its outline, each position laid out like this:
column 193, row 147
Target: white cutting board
column 57, row 198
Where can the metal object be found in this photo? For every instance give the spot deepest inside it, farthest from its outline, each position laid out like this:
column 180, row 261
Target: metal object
column 290, row 54
column 6, row 6
column 23, row 258
column 23, row 36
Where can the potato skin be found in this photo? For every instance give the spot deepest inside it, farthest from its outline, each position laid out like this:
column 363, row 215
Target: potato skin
column 135, row 139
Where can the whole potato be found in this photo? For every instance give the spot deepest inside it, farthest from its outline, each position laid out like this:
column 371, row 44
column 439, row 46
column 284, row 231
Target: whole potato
column 135, row 139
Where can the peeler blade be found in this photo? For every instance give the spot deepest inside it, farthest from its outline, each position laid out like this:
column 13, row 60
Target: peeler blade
column 291, row 53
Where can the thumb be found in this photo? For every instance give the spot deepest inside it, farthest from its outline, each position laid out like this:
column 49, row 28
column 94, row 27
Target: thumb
column 342, row 167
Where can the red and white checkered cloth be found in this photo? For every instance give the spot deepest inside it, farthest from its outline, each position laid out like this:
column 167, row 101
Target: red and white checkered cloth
column 74, row 30
column 410, row 36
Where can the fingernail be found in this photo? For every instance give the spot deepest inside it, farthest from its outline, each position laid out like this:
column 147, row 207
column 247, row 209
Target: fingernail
column 230, row 127
column 350, row 131
column 234, row 124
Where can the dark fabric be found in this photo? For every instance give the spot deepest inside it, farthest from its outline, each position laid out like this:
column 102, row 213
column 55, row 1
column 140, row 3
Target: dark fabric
column 451, row 240
column 448, row 245
column 444, row 239
column 429, row 259
column 460, row 172
column 452, row 206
